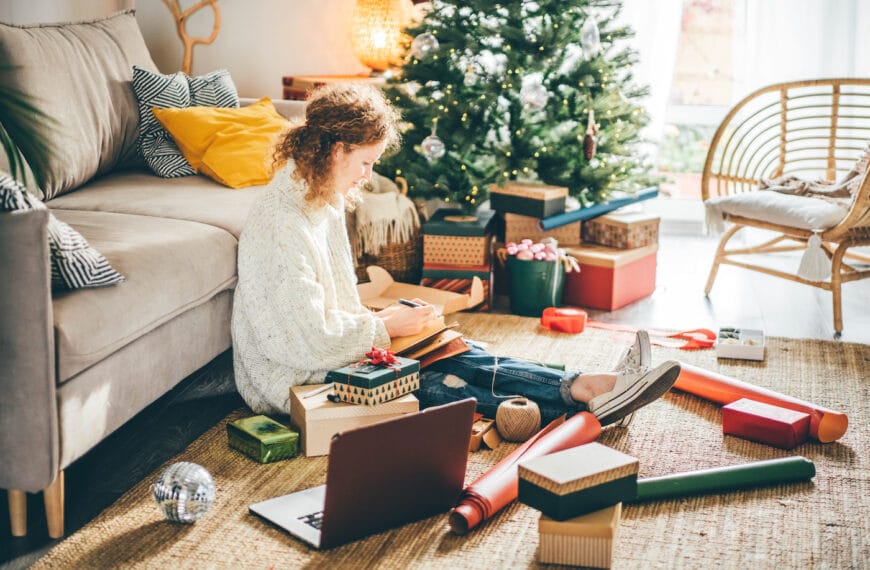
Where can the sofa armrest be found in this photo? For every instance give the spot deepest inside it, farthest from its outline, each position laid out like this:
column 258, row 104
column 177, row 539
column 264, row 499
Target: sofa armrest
column 289, row 109
column 29, row 445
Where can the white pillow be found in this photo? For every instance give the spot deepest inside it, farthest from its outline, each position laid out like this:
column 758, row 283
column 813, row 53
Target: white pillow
column 775, row 207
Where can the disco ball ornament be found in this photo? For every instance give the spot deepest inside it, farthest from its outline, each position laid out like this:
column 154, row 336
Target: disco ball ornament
column 534, row 96
column 184, row 492
column 590, row 37
column 424, row 44
column 432, row 148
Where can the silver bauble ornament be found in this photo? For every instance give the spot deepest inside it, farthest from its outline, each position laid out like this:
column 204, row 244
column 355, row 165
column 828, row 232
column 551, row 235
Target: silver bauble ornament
column 432, row 148
column 590, row 37
column 424, row 44
column 184, row 491
column 534, row 96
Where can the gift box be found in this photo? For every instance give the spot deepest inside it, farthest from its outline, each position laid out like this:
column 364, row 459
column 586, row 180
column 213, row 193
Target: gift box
column 459, row 279
column 582, row 541
column 263, row 439
column 622, row 230
column 453, row 238
column 318, row 419
column 528, row 199
column 610, row 278
column 764, row 423
column 745, row 344
column 577, row 481
column 371, row 384
column 518, row 228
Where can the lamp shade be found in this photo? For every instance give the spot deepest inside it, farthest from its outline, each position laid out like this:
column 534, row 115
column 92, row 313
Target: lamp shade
column 376, row 34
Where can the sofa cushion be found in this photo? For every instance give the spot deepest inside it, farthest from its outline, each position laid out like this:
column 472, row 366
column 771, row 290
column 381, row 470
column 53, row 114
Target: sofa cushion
column 74, row 263
column 171, row 266
column 232, row 146
column 195, row 198
column 177, row 90
column 79, row 74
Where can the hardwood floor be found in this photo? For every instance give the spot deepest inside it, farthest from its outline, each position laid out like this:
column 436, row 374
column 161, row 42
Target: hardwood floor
column 739, row 298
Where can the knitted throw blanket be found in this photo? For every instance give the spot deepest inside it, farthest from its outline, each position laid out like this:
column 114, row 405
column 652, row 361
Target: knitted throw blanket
column 382, row 219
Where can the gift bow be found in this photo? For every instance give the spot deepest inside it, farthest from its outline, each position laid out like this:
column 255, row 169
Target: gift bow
column 381, row 356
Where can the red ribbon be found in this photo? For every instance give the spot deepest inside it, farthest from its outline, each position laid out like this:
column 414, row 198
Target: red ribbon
column 381, row 356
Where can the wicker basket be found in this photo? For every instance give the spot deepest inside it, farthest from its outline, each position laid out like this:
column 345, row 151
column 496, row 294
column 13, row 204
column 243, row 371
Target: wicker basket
column 402, row 260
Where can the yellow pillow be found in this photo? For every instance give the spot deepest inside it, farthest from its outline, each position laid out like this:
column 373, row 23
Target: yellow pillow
column 232, row 146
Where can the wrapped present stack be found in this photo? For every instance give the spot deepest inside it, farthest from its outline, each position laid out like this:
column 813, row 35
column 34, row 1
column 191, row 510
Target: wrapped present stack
column 318, row 417
column 524, row 204
column 579, row 492
column 617, row 261
column 456, row 248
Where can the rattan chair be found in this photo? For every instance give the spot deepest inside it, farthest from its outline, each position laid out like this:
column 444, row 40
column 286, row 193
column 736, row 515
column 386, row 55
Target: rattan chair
column 811, row 129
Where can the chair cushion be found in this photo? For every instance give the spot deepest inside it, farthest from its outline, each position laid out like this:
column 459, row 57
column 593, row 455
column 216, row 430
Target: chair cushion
column 171, row 266
column 74, row 263
column 231, row 146
column 79, row 74
column 776, row 208
column 177, row 90
column 195, row 198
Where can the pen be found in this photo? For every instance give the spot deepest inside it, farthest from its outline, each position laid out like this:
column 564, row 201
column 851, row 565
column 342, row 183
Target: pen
column 317, row 391
column 408, row 303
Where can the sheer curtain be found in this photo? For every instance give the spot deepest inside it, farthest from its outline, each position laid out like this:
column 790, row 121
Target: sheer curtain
column 786, row 40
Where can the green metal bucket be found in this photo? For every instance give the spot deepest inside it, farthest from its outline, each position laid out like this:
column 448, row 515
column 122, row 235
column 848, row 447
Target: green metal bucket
column 535, row 285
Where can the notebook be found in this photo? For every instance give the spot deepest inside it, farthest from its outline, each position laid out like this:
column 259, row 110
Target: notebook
column 381, row 476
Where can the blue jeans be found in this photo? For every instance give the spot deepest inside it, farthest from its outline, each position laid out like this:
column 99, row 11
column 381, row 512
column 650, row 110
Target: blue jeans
column 547, row 387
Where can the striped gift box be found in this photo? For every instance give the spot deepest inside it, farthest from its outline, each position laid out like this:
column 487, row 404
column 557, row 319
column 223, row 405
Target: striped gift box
column 583, row 541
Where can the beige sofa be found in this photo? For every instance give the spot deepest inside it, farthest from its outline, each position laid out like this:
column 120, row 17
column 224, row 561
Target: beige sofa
column 76, row 365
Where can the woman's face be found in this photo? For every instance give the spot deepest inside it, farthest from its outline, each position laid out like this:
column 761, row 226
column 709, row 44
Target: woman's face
column 352, row 167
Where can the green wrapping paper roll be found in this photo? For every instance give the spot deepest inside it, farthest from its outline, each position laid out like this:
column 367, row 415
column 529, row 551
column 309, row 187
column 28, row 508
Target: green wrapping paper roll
column 728, row 478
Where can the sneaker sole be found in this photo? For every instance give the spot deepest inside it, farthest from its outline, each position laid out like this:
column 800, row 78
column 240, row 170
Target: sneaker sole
column 641, row 395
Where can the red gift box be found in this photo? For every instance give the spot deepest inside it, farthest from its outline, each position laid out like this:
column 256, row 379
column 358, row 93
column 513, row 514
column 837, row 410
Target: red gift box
column 764, row 423
column 610, row 278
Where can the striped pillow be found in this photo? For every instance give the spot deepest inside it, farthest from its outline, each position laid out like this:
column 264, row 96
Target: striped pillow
column 177, row 90
column 74, row 263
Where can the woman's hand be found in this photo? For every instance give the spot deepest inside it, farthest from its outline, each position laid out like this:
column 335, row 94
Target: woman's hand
column 402, row 320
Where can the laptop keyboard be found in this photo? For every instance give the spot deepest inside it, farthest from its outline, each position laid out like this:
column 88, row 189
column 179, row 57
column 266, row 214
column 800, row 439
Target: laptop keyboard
column 313, row 519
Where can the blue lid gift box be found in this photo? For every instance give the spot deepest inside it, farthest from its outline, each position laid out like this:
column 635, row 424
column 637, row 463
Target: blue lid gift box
column 370, row 384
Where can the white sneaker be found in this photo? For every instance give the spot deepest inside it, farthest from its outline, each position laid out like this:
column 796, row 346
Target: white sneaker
column 633, row 390
column 637, row 357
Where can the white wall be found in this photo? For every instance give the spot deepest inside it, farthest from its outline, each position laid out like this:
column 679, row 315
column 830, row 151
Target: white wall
column 259, row 41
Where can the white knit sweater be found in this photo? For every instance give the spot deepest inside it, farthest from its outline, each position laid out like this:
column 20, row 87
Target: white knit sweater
column 297, row 312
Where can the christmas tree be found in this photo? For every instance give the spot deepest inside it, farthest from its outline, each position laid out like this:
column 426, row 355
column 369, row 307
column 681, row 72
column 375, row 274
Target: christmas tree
column 518, row 90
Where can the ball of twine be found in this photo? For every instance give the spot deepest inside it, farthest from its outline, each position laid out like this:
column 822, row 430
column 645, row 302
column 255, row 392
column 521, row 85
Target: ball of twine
column 518, row 419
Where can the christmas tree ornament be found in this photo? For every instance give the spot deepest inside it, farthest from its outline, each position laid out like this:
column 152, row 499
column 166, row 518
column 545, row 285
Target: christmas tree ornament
column 471, row 78
column 590, row 37
column 184, row 492
column 423, row 45
column 534, row 96
column 590, row 141
column 432, row 147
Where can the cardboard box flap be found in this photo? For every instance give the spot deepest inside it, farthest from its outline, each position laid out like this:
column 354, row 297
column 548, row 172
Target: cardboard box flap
column 603, row 256
column 382, row 291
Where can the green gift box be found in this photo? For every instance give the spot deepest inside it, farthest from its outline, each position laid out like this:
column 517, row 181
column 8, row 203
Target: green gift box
column 577, row 481
column 263, row 439
column 372, row 384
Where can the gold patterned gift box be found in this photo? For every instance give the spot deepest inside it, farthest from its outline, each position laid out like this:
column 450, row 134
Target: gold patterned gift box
column 578, row 480
column 371, row 384
column 518, row 228
column 454, row 238
column 582, row 541
column 622, row 230
column 263, row 439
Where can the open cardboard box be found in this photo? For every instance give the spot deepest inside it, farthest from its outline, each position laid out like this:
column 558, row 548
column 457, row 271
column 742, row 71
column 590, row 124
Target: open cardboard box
column 381, row 292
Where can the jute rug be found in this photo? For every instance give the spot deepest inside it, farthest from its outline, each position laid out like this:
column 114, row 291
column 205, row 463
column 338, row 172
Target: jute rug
column 819, row 524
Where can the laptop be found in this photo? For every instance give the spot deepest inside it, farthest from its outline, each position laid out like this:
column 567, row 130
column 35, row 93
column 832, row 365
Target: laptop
column 380, row 477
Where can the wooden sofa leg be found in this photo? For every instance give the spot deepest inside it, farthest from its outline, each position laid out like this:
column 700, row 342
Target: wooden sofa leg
column 53, row 496
column 837, row 287
column 17, row 512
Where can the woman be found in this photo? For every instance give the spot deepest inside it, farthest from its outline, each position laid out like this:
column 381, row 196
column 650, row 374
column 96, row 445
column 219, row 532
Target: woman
column 297, row 313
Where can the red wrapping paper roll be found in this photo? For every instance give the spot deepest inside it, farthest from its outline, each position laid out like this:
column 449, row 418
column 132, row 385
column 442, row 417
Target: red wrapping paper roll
column 825, row 425
column 499, row 486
